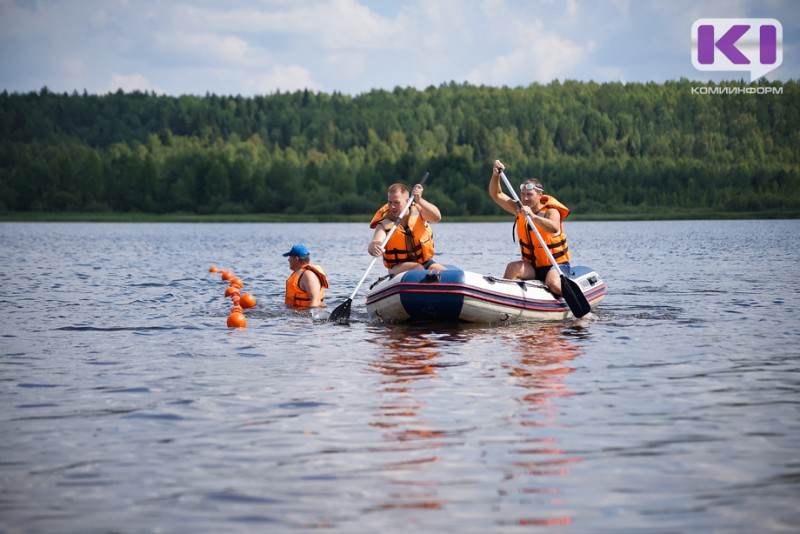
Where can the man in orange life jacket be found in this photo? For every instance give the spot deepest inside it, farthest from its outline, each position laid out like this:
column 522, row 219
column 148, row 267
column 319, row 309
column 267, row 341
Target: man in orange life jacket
column 411, row 245
column 305, row 287
column 547, row 214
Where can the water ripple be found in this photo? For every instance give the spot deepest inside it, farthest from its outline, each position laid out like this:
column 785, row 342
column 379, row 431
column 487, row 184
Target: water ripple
column 673, row 407
column 126, row 328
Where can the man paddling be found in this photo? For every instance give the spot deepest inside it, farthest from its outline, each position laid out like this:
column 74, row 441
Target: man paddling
column 547, row 214
column 411, row 245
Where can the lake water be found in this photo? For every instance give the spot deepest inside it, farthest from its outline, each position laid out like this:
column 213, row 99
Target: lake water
column 129, row 406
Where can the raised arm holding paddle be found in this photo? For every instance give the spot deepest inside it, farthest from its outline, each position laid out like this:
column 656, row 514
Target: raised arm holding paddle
column 543, row 243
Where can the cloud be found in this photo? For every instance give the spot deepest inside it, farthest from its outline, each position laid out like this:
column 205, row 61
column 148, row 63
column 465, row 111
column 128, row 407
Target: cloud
column 284, row 78
column 129, row 83
column 508, row 42
column 209, row 48
column 353, row 46
column 290, row 46
column 534, row 55
column 333, row 25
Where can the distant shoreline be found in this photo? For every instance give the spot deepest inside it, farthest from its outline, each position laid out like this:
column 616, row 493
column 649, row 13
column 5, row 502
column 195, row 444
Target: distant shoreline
column 638, row 215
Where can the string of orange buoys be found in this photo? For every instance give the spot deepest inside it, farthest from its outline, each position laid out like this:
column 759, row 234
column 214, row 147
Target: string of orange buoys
column 240, row 300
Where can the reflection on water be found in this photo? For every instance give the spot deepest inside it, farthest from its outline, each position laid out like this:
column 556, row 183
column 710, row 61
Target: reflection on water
column 405, row 360
column 405, row 357
column 530, row 474
column 127, row 401
column 544, row 359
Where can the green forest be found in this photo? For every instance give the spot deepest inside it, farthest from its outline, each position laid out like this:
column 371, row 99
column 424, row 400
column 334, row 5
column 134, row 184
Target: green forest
column 601, row 148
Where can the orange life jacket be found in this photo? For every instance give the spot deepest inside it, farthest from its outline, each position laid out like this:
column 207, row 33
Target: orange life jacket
column 414, row 242
column 295, row 296
column 532, row 251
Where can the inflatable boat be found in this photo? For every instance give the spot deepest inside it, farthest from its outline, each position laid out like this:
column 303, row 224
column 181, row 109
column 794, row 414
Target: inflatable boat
column 454, row 295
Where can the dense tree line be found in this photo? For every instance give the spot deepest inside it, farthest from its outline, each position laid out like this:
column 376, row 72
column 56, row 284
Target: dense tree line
column 598, row 147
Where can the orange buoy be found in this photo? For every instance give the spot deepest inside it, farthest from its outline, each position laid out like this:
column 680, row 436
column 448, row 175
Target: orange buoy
column 235, row 299
column 231, row 290
column 237, row 320
column 236, row 309
column 237, row 282
column 247, row 300
column 212, row 269
column 227, row 275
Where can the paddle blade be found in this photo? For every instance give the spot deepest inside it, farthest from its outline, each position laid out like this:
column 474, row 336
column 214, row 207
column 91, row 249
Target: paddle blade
column 574, row 297
column 341, row 314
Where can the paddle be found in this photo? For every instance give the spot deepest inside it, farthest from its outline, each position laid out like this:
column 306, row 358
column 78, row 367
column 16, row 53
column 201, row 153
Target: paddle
column 341, row 314
column 570, row 290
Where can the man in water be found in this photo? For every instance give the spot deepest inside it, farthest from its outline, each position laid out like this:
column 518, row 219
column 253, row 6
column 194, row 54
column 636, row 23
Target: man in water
column 305, row 287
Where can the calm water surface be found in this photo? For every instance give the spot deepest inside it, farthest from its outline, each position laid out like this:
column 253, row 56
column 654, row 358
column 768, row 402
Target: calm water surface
column 128, row 406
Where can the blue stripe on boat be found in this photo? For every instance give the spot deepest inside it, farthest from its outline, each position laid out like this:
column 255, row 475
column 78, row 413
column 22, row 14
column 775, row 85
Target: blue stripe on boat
column 443, row 298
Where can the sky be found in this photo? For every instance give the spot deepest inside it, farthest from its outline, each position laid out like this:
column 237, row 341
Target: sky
column 253, row 47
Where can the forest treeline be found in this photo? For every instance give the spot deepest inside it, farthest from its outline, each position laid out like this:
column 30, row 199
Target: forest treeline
column 600, row 148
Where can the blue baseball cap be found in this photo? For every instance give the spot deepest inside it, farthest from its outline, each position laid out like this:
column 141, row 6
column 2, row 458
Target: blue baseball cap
column 298, row 250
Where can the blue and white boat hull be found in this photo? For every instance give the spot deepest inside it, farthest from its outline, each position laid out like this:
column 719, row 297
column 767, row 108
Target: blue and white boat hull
column 455, row 295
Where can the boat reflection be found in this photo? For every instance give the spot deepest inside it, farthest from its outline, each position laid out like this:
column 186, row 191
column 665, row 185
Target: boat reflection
column 421, row 444
column 544, row 362
column 406, row 360
column 405, row 357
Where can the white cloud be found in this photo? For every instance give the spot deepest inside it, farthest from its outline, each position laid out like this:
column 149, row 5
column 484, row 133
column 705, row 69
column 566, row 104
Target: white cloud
column 285, row 78
column 540, row 56
column 209, row 48
column 248, row 46
column 128, row 83
column 336, row 25
column 572, row 9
